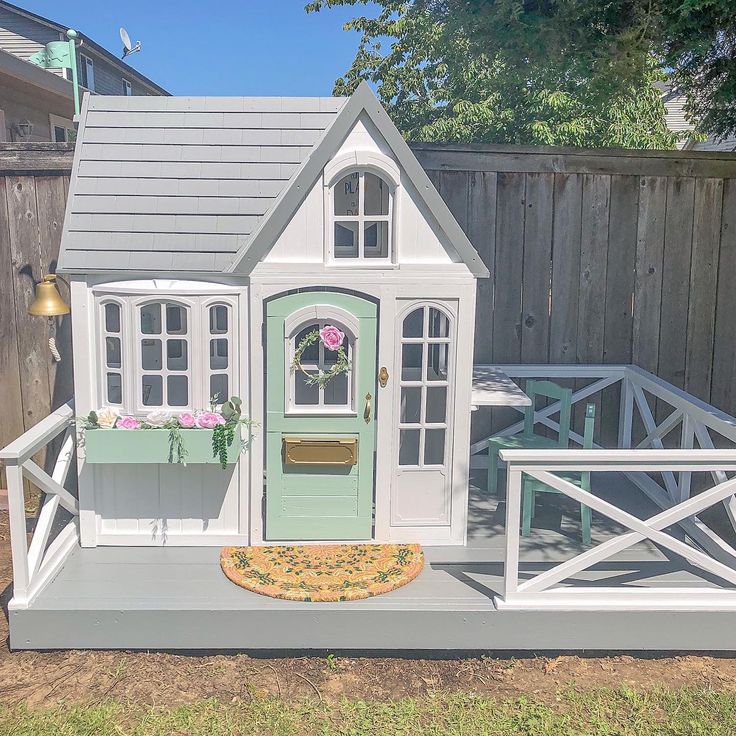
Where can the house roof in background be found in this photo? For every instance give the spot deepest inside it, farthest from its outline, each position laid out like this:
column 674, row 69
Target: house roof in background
column 87, row 41
column 206, row 184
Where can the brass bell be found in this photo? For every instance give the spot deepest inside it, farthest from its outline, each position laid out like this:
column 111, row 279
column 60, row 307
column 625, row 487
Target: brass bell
column 48, row 301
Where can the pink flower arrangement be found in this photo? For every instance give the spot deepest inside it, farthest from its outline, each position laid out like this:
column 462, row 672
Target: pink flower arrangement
column 331, row 337
column 209, row 420
column 187, row 420
column 128, row 423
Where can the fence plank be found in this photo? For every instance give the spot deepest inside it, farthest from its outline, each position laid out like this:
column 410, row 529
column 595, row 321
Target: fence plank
column 703, row 281
column 509, row 260
column 568, row 204
column 10, row 377
column 536, row 281
column 32, row 331
column 482, row 234
column 620, row 267
column 676, row 280
column 723, row 388
column 648, row 276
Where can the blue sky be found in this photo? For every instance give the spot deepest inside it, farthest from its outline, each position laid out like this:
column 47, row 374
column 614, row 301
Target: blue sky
column 231, row 47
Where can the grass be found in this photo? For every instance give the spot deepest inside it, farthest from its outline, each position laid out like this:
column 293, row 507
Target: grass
column 623, row 712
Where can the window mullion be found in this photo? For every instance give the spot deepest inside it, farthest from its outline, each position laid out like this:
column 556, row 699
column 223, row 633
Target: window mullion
column 361, row 216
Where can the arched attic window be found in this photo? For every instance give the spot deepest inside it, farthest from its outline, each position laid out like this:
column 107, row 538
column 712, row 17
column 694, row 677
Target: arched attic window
column 362, row 203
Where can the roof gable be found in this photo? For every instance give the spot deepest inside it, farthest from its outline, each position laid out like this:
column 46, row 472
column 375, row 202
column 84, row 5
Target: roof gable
column 363, row 101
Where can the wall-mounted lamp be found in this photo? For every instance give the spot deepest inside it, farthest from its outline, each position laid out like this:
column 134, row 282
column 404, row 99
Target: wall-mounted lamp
column 24, row 129
column 48, row 303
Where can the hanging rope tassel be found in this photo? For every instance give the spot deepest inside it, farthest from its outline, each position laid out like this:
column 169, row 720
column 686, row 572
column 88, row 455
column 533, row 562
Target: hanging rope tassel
column 54, row 350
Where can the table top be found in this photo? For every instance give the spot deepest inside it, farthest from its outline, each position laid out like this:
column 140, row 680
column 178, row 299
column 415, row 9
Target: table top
column 492, row 387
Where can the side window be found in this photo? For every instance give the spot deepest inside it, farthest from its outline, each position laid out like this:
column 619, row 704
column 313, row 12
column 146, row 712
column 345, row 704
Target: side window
column 112, row 358
column 163, row 370
column 219, row 321
column 426, row 345
column 316, row 359
column 86, row 72
column 362, row 211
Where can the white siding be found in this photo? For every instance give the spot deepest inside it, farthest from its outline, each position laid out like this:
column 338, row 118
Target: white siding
column 23, row 37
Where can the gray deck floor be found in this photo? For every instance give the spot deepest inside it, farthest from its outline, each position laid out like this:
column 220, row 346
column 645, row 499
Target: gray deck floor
column 167, row 598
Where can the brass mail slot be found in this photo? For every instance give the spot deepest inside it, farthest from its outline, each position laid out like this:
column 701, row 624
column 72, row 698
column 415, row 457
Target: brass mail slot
column 320, row 450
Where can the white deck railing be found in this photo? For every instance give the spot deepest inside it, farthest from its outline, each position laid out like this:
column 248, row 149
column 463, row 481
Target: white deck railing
column 35, row 564
column 664, row 475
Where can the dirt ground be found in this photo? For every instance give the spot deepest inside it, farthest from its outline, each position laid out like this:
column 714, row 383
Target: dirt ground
column 164, row 679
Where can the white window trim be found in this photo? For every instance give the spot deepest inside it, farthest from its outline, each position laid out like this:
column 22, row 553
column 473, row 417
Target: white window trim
column 127, row 88
column 198, row 337
column 423, row 383
column 362, row 162
column 89, row 68
column 296, row 322
column 56, row 121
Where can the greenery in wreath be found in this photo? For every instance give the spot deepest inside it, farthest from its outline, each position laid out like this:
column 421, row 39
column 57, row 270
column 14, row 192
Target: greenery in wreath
column 333, row 340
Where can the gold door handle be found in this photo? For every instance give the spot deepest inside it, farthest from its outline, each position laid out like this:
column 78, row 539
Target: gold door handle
column 383, row 377
column 367, row 410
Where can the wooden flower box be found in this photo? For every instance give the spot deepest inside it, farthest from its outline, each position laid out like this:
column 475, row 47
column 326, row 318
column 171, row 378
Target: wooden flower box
column 151, row 446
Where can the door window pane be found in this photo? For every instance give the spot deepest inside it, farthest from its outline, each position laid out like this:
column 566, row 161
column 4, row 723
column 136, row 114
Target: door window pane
column 114, row 388
column 152, row 390
column 112, row 317
column 437, row 362
column 411, row 405
column 219, row 387
column 434, row 446
column 414, row 323
column 376, row 195
column 151, row 355
column 336, row 391
column 304, row 393
column 176, row 355
column 151, row 319
column 411, row 362
column 436, row 409
column 112, row 352
column 409, row 446
column 177, row 390
column 439, row 324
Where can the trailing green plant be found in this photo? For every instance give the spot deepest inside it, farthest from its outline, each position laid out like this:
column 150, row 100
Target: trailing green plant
column 177, row 449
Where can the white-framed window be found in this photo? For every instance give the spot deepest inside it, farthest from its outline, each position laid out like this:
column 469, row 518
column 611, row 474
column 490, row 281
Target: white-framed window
column 171, row 353
column 426, row 344
column 127, row 88
column 86, row 72
column 361, row 206
column 62, row 129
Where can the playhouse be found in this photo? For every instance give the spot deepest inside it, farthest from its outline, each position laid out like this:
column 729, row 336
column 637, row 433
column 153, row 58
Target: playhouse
column 208, row 241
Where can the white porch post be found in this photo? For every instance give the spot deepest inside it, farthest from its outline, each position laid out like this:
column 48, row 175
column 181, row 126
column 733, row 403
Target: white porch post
column 626, row 413
column 513, row 519
column 18, row 533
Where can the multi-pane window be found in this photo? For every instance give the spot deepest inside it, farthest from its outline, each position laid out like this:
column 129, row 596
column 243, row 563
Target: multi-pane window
column 164, row 355
column 113, row 353
column 316, row 360
column 86, row 72
column 362, row 204
column 219, row 352
column 127, row 89
column 424, row 384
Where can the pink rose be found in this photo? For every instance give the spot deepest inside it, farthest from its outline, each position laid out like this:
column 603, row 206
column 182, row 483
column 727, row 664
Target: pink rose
column 128, row 423
column 187, row 420
column 209, row 420
column 331, row 337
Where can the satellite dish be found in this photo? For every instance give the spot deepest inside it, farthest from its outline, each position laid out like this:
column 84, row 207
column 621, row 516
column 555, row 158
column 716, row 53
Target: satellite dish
column 128, row 48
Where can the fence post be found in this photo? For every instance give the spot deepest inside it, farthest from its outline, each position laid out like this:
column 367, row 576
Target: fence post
column 513, row 518
column 18, row 533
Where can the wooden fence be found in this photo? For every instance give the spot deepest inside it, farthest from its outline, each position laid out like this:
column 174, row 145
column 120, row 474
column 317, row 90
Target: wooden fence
column 602, row 256
column 34, row 180
column 598, row 256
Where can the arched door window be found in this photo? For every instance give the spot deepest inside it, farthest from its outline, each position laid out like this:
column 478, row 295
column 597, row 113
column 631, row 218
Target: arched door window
column 424, row 380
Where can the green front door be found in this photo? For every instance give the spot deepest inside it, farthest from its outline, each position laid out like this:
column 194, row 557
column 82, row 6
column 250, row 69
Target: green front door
column 307, row 498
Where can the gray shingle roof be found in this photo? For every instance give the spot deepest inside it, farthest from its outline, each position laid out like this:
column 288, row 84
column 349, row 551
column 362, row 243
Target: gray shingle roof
column 180, row 183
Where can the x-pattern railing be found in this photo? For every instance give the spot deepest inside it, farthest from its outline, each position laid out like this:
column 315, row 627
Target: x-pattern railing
column 34, row 564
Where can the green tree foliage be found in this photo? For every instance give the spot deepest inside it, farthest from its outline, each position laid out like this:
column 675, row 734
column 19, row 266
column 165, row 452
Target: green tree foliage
column 555, row 72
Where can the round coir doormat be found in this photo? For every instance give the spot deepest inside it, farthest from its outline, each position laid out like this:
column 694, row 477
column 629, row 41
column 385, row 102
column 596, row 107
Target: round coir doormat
column 323, row 572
